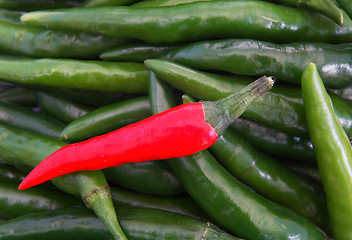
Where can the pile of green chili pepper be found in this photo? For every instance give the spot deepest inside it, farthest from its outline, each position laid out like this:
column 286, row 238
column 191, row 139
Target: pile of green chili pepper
column 93, row 91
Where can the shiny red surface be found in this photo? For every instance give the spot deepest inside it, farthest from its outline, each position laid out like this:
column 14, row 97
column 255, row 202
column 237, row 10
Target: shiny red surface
column 177, row 132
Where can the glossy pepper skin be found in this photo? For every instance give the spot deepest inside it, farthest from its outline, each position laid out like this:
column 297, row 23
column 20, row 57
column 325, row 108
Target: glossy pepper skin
column 90, row 75
column 14, row 203
column 215, row 19
column 151, row 177
column 137, row 52
column 233, row 206
column 99, row 3
column 22, row 148
column 69, row 223
column 138, row 223
column 347, row 6
column 11, row 16
column 269, row 178
column 256, row 58
column 333, row 149
column 64, row 109
column 106, row 119
column 193, row 127
column 165, row 3
column 90, row 97
column 275, row 142
column 281, row 108
column 26, row 119
column 30, row 5
column 10, row 174
column 37, row 42
column 182, row 204
column 328, row 8
column 19, row 96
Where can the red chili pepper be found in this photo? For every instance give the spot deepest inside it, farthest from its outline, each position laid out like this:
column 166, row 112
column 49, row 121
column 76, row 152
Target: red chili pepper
column 177, row 132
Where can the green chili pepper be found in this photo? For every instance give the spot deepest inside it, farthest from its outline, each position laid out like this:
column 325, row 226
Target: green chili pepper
column 91, row 97
column 256, row 58
column 10, row 174
column 281, row 108
column 68, row 224
column 327, row 7
column 14, row 203
column 138, row 223
column 137, row 52
column 25, row 148
column 178, row 204
column 11, row 16
column 92, row 75
column 152, row 177
column 346, row 5
column 333, row 149
column 64, row 109
column 37, row 42
column 269, row 178
column 309, row 172
column 233, row 206
column 26, row 119
column 99, row 3
column 214, row 19
column 165, row 3
column 20, row 96
column 106, row 119
column 274, row 142
column 30, row 5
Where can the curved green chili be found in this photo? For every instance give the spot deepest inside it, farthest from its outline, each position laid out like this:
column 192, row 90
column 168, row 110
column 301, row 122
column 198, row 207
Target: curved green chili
column 309, row 172
column 38, row 42
column 164, row 3
column 347, row 6
column 25, row 148
column 20, row 96
column 26, row 119
column 327, row 7
column 11, row 16
column 137, row 52
column 14, row 203
column 269, row 178
column 178, row 204
column 138, row 223
column 275, row 142
column 91, row 97
column 333, row 149
column 68, row 224
column 256, row 58
column 152, row 177
column 99, row 3
column 66, row 110
column 10, row 174
column 106, row 119
column 213, row 19
column 127, row 77
column 236, row 208
column 281, row 108
column 30, row 5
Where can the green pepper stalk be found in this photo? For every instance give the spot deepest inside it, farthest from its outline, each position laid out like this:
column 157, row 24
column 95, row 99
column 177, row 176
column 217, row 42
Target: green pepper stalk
column 26, row 148
column 333, row 150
